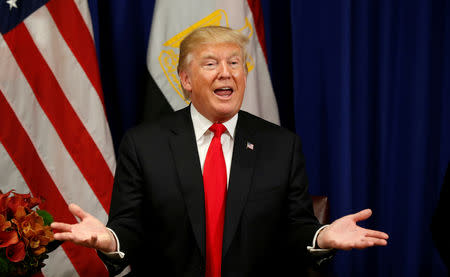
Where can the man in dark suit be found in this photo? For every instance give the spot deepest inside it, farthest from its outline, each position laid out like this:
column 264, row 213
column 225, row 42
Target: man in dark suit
column 189, row 200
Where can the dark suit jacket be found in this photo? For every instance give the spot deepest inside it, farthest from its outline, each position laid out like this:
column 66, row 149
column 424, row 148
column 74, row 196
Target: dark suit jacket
column 157, row 208
column 439, row 222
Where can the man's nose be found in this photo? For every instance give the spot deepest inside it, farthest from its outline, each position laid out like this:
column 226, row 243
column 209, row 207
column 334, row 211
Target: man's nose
column 224, row 70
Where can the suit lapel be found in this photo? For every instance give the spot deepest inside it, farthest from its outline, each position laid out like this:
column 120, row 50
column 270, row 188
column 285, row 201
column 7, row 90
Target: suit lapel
column 242, row 166
column 185, row 154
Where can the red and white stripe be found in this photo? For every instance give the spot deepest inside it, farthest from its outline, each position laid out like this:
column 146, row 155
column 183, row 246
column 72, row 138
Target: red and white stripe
column 54, row 137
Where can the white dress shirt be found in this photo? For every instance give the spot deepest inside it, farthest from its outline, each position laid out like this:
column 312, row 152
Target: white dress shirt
column 203, row 137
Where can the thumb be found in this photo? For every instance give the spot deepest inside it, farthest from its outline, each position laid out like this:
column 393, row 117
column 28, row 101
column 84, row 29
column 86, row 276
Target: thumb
column 77, row 211
column 362, row 215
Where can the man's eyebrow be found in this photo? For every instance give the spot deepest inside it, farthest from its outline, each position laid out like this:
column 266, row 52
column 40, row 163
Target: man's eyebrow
column 212, row 56
column 208, row 56
column 236, row 54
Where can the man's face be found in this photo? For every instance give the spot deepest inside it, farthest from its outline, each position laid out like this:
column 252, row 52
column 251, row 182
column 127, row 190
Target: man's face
column 216, row 79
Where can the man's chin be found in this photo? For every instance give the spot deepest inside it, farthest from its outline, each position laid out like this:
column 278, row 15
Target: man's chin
column 222, row 115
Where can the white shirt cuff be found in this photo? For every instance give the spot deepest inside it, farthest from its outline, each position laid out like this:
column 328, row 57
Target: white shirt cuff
column 115, row 254
column 313, row 248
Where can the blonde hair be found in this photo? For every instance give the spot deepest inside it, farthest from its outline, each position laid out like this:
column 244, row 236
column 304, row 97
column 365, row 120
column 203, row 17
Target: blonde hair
column 210, row 34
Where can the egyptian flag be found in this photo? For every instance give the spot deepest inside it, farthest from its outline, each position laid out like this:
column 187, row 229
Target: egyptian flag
column 174, row 19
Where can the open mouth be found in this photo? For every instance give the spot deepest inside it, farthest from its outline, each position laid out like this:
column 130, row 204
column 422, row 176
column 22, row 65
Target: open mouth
column 223, row 92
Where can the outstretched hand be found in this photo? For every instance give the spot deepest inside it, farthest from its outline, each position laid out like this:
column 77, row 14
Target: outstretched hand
column 89, row 232
column 344, row 234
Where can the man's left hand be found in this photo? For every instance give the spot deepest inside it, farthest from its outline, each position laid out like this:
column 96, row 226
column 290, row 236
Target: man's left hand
column 344, row 234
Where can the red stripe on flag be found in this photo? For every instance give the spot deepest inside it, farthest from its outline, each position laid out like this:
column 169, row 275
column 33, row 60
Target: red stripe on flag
column 258, row 18
column 23, row 153
column 58, row 109
column 75, row 32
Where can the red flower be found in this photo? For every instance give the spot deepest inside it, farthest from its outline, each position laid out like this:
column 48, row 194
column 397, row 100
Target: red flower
column 24, row 200
column 8, row 238
column 32, row 230
column 16, row 252
column 4, row 224
column 4, row 201
column 24, row 236
column 10, row 204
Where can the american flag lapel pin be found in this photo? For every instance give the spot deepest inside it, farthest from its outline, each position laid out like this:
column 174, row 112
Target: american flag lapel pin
column 250, row 145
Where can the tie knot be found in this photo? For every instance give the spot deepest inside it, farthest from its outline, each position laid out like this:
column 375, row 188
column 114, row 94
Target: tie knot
column 218, row 129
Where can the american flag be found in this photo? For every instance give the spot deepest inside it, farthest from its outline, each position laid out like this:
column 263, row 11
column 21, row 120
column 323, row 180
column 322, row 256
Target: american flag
column 54, row 137
column 250, row 145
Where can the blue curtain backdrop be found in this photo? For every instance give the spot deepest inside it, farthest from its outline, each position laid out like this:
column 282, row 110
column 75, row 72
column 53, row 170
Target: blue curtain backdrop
column 371, row 96
column 366, row 84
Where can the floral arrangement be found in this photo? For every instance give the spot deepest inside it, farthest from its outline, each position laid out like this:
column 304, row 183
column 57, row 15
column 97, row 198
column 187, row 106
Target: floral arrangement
column 25, row 235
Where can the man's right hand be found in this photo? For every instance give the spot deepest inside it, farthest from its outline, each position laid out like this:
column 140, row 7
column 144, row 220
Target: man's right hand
column 89, row 232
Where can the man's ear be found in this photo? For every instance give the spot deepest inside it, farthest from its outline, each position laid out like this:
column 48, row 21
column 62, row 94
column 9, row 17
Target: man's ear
column 185, row 81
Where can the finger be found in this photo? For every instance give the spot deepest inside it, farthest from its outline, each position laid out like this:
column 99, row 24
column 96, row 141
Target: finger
column 362, row 215
column 66, row 236
column 369, row 242
column 61, row 227
column 77, row 211
column 379, row 242
column 363, row 245
column 376, row 234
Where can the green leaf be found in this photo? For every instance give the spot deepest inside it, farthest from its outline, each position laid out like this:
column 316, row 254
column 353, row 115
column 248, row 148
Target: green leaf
column 46, row 216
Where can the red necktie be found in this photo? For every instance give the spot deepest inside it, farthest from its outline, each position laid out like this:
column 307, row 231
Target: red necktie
column 215, row 186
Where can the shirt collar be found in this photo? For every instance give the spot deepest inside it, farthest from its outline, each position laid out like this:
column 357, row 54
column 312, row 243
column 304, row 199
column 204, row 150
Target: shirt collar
column 202, row 124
